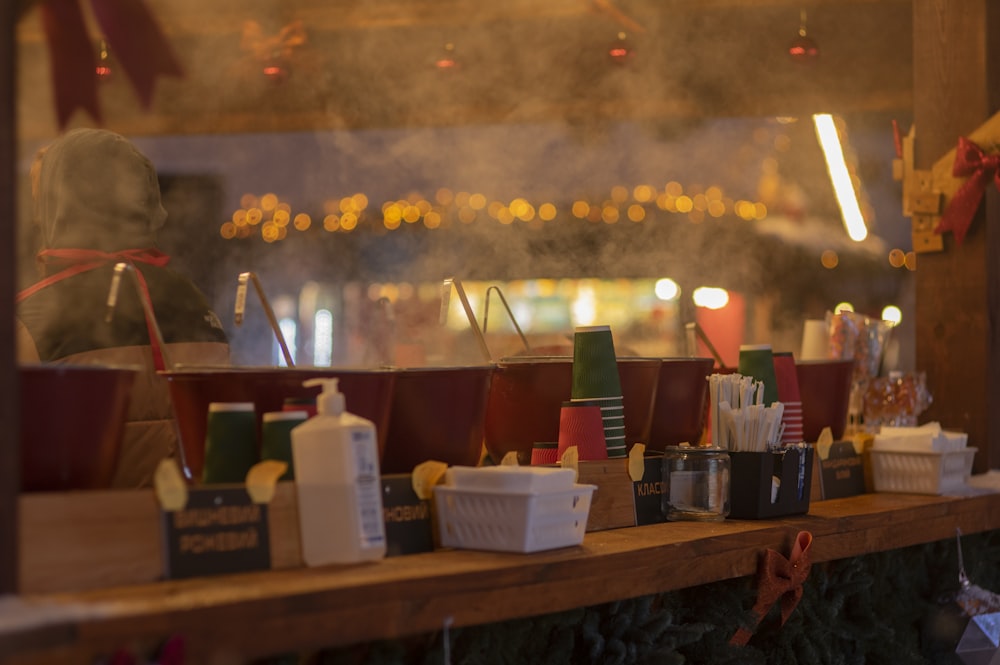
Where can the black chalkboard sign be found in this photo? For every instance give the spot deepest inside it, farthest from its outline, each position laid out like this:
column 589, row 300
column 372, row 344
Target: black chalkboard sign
column 842, row 472
column 219, row 531
column 407, row 517
column 649, row 492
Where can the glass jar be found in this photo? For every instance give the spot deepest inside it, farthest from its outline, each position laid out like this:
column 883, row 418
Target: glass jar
column 695, row 483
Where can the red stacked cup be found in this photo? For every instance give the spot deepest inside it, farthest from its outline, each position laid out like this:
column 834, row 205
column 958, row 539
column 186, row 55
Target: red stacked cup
column 788, row 394
column 581, row 425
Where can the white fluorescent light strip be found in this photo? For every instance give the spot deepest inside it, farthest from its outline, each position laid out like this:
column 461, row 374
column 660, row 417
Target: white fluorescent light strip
column 850, row 210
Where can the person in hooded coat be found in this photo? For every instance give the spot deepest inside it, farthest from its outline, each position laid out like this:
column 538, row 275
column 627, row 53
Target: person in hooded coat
column 97, row 203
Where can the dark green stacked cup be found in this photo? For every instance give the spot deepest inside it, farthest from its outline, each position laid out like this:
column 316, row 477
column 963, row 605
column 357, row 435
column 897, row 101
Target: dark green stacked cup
column 757, row 361
column 230, row 442
column 276, row 437
column 595, row 377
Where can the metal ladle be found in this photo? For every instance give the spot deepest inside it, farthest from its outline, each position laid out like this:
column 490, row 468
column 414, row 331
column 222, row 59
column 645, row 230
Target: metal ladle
column 695, row 333
column 384, row 333
column 241, row 306
column 155, row 333
column 147, row 307
column 446, row 287
column 510, row 314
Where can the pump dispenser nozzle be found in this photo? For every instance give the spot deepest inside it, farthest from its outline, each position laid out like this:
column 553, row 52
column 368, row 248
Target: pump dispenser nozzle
column 330, row 401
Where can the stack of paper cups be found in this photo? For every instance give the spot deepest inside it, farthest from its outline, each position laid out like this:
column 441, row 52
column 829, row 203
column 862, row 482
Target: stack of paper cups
column 545, row 452
column 788, row 394
column 230, row 442
column 815, row 340
column 580, row 425
column 757, row 361
column 596, row 379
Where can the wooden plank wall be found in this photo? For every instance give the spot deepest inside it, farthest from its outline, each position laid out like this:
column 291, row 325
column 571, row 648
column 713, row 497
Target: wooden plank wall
column 9, row 458
column 957, row 290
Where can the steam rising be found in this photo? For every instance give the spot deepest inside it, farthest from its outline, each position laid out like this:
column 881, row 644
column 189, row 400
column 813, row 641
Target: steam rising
column 533, row 109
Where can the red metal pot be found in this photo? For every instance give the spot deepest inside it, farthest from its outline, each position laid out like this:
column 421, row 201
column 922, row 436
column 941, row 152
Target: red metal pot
column 367, row 393
column 437, row 413
column 71, row 422
column 681, row 404
column 528, row 392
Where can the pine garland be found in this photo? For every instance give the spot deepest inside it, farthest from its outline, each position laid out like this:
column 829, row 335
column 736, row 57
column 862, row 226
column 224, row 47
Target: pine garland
column 891, row 608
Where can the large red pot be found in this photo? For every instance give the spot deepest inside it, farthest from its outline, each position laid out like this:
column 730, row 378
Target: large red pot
column 681, row 403
column 437, row 413
column 367, row 393
column 527, row 395
column 71, row 422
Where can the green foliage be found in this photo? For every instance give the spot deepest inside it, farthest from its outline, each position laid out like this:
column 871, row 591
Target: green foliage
column 877, row 609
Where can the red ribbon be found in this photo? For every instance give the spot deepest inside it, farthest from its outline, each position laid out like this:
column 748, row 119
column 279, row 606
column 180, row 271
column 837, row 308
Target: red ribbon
column 972, row 163
column 129, row 29
column 171, row 653
column 779, row 579
column 82, row 260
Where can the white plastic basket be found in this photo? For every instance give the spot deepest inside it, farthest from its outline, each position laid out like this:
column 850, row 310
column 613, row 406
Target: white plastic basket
column 512, row 522
column 919, row 472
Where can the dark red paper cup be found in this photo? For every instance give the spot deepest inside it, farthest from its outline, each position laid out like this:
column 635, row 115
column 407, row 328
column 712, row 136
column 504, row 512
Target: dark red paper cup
column 789, row 395
column 582, row 426
column 825, row 386
column 545, row 452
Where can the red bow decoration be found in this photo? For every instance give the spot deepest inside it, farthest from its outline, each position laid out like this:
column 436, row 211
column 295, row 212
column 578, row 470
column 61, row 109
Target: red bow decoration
column 972, row 163
column 171, row 653
column 132, row 33
column 781, row 579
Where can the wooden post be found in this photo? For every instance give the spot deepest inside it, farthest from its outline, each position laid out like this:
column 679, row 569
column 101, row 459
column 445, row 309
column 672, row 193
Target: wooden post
column 955, row 42
column 10, row 465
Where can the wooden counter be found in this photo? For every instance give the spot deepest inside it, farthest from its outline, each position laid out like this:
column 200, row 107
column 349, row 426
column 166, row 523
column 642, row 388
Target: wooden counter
column 239, row 617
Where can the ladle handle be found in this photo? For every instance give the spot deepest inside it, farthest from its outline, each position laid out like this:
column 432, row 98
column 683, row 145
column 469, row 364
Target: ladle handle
column 161, row 357
column 156, row 338
column 480, row 339
column 510, row 314
column 241, row 301
column 693, row 327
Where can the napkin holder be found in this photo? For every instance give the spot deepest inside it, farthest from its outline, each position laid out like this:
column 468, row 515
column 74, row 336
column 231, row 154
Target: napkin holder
column 621, row 501
column 784, row 475
column 613, row 504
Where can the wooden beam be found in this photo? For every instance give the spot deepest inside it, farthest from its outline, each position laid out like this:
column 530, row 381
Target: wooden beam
column 302, row 609
column 10, row 465
column 958, row 290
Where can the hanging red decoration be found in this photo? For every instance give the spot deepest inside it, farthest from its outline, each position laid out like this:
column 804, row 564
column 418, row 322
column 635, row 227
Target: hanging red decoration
column 621, row 50
column 275, row 73
column 803, row 49
column 273, row 53
column 130, row 29
column 103, row 69
column 447, row 61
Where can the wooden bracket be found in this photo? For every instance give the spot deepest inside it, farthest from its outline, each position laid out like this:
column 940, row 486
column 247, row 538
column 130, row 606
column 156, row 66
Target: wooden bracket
column 921, row 203
column 925, row 211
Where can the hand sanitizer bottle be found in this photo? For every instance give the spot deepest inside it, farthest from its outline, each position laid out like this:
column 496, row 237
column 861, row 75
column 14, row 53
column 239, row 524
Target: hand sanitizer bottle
column 337, row 480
